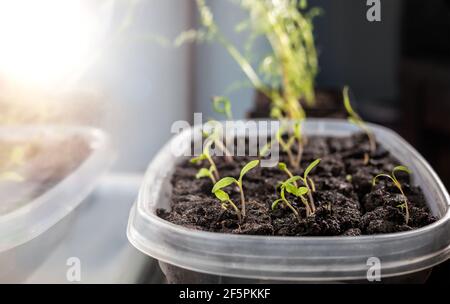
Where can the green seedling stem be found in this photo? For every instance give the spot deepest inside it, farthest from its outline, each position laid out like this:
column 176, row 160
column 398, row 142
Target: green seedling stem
column 227, row 181
column 397, row 184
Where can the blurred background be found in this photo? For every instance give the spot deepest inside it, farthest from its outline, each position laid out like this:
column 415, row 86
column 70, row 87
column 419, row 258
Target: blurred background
column 105, row 63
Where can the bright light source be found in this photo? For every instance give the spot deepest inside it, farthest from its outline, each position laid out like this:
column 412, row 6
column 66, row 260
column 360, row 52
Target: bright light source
column 45, row 42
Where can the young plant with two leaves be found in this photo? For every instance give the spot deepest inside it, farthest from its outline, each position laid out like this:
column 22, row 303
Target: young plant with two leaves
column 211, row 172
column 228, row 181
column 393, row 178
column 305, row 179
column 287, row 141
column 290, row 186
column 213, row 134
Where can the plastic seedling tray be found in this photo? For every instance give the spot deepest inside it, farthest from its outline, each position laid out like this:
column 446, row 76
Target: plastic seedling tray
column 36, row 214
column 193, row 256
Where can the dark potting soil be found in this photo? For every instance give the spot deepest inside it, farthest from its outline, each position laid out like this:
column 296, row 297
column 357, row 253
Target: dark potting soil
column 342, row 180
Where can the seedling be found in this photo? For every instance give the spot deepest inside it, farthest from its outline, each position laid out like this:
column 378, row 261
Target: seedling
column 283, row 167
column 203, row 172
column 295, row 137
column 225, row 201
column 227, row 181
column 307, row 181
column 355, row 119
column 212, row 172
column 222, row 105
column 290, row 186
column 397, row 184
column 215, row 137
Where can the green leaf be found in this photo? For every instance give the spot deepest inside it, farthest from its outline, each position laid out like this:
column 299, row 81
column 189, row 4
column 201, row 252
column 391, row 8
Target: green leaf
column 290, row 188
column 198, row 159
column 224, row 182
column 347, row 103
column 302, row 191
column 315, row 12
column 222, row 195
column 298, row 130
column 402, row 206
column 187, row 37
column 282, row 166
column 303, row 4
column 242, row 26
column 374, row 180
column 279, row 134
column 265, row 149
column 402, row 168
column 251, row 165
column 311, row 167
column 203, row 173
column 222, row 105
column 292, row 180
column 275, row 203
column 207, row 146
column 276, row 113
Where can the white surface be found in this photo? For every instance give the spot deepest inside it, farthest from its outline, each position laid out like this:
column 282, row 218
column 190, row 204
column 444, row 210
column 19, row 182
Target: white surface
column 98, row 238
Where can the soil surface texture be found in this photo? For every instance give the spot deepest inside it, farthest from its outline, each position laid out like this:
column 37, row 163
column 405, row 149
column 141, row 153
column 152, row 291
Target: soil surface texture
column 346, row 203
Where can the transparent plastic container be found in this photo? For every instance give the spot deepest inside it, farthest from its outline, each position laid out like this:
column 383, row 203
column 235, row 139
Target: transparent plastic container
column 29, row 232
column 191, row 256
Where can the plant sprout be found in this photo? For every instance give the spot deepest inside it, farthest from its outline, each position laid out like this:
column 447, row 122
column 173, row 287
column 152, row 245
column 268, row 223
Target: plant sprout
column 295, row 138
column 225, row 200
column 355, row 119
column 393, row 178
column 215, row 137
column 222, row 105
column 212, row 172
column 227, row 181
column 203, row 172
column 307, row 181
column 286, row 145
column 283, row 167
column 290, row 186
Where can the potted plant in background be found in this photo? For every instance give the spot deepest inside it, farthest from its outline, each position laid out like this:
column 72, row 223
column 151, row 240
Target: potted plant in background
column 337, row 200
column 290, row 70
